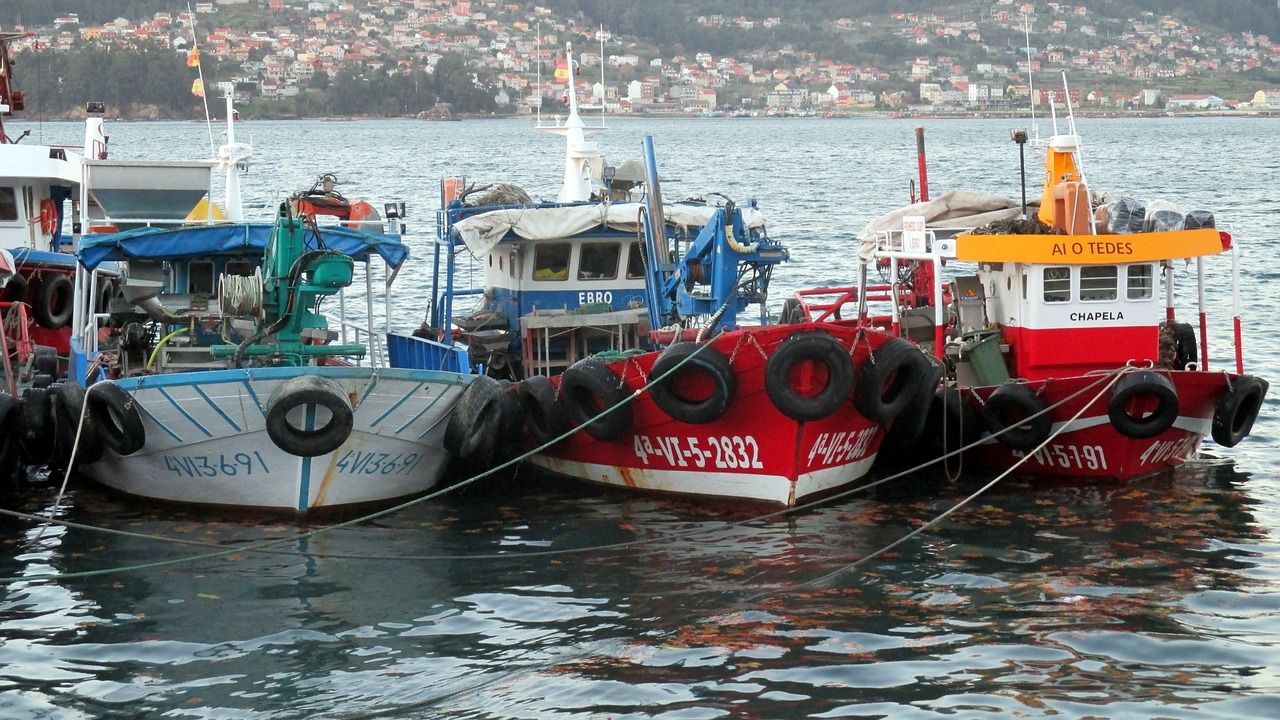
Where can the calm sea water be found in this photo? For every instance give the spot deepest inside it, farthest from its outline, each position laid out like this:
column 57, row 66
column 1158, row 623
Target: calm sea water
column 532, row 597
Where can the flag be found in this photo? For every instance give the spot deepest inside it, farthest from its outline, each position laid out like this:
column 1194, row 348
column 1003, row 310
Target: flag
column 193, row 58
column 197, row 87
column 562, row 70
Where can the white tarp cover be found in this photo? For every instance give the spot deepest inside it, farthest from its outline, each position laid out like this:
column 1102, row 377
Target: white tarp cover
column 953, row 210
column 481, row 232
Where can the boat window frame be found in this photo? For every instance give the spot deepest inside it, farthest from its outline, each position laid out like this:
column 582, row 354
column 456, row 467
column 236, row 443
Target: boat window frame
column 12, row 203
column 1059, row 296
column 1097, row 293
column 636, row 260
column 553, row 274
column 1150, row 282
column 595, row 247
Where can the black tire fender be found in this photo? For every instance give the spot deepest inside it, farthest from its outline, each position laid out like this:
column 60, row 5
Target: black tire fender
column 116, row 418
column 1143, row 385
column 890, row 380
column 908, row 427
column 1185, row 341
column 477, row 419
column 1008, row 416
column 707, row 369
column 305, row 391
column 9, row 436
column 800, row 350
column 587, row 389
column 53, row 302
column 1237, row 409
column 68, row 407
column 543, row 416
column 16, row 289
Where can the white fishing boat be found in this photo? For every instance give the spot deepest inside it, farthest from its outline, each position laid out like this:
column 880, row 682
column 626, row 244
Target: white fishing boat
column 216, row 379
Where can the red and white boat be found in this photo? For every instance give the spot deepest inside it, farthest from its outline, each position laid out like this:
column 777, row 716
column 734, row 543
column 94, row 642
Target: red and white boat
column 1060, row 334
column 774, row 413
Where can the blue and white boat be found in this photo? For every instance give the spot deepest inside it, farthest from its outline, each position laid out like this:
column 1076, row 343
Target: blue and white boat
column 216, row 378
column 563, row 278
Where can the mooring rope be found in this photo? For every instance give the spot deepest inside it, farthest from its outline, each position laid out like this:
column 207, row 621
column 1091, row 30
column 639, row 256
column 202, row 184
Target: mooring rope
column 266, row 546
column 271, row 542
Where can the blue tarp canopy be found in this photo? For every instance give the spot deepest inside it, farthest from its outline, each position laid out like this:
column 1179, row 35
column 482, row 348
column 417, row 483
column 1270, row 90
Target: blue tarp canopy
column 194, row 241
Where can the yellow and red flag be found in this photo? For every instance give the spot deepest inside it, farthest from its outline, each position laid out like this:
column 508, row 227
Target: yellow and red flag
column 562, row 70
column 193, row 58
column 197, row 87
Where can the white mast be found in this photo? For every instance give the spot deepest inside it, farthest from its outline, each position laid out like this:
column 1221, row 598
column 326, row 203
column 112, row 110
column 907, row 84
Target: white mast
column 232, row 156
column 578, row 151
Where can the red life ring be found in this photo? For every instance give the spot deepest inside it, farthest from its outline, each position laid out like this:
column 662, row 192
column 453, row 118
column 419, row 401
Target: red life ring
column 48, row 216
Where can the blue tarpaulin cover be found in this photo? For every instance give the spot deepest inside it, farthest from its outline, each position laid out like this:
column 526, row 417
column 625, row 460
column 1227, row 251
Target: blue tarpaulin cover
column 152, row 243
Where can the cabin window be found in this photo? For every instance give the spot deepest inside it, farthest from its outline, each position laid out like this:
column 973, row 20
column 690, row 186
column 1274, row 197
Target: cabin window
column 243, row 268
column 599, row 261
column 1098, row 282
column 1057, row 284
column 551, row 261
column 200, row 277
column 1140, row 283
column 511, row 265
column 635, row 261
column 8, row 204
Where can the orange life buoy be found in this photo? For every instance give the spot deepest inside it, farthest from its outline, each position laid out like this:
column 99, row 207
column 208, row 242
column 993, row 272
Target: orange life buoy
column 48, row 216
column 361, row 210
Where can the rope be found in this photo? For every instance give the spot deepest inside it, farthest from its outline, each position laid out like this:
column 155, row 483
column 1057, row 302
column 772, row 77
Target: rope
column 241, row 295
column 66, row 474
column 266, row 545
column 1115, row 377
column 271, row 542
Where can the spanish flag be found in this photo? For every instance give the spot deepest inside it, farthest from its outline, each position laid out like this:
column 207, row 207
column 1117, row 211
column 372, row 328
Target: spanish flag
column 197, row 87
column 562, row 70
column 193, row 58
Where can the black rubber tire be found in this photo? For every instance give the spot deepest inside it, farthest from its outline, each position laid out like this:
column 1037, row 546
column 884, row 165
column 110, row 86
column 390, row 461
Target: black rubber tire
column 10, row 447
column 1006, row 416
column 68, row 406
column 116, row 418
column 587, row 389
column 37, row 412
column 474, row 426
column 106, row 292
column 708, row 366
column 1185, row 341
column 543, row 416
column 1237, row 409
column 908, row 427
column 1140, row 384
column 53, row 302
column 791, row 312
column 890, row 380
column 804, row 347
column 16, row 289
column 302, row 391
column 46, row 360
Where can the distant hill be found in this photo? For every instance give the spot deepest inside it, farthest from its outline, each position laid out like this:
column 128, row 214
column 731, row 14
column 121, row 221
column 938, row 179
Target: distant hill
column 671, row 26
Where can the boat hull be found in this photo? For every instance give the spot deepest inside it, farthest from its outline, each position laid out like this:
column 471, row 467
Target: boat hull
column 752, row 452
column 206, row 440
column 1090, row 447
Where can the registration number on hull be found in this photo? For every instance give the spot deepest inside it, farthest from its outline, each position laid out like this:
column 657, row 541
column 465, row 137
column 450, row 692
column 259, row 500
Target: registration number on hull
column 726, row 452
column 1069, row 456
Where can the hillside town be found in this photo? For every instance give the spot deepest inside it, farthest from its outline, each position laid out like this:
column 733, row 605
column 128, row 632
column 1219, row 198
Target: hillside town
column 1145, row 63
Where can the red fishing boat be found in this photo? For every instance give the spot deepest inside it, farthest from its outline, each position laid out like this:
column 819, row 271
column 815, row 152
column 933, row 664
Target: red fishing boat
column 1058, row 337
column 773, row 413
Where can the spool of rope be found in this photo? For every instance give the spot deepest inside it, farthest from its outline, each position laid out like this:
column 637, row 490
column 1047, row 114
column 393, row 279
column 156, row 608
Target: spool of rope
column 241, row 295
